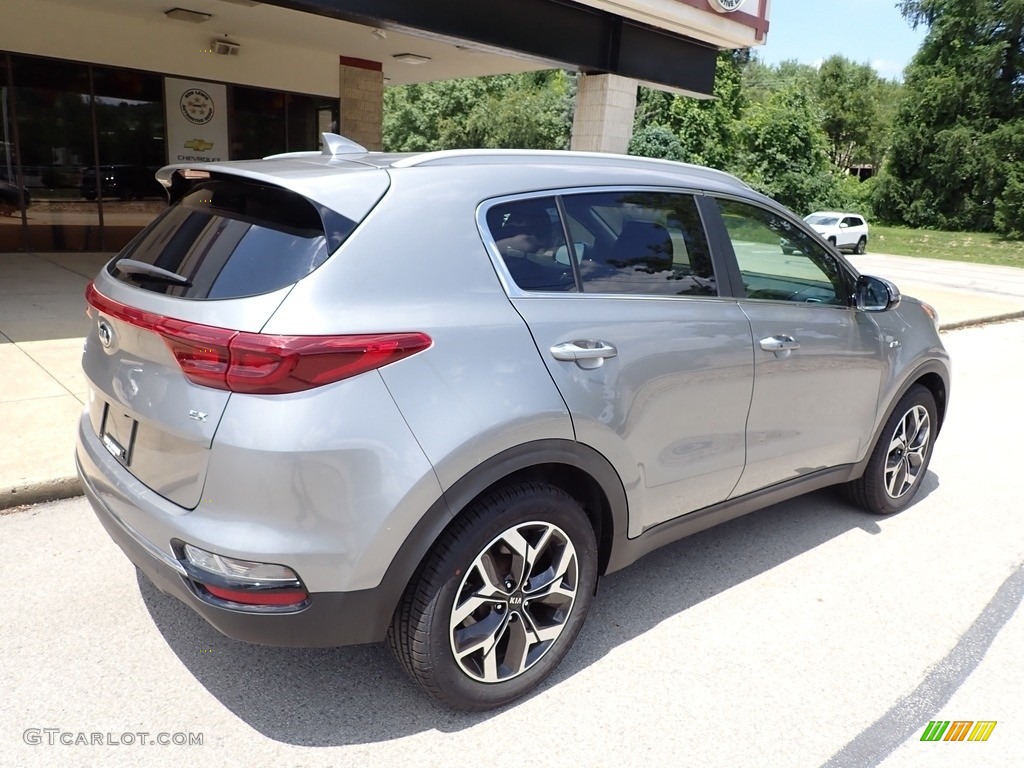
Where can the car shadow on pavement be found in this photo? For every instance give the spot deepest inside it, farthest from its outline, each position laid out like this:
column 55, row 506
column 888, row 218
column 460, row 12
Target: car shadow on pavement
column 359, row 694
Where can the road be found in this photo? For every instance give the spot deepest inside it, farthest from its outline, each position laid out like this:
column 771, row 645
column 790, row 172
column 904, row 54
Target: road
column 960, row 275
column 808, row 634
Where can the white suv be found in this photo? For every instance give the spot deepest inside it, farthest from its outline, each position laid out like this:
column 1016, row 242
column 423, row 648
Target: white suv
column 846, row 231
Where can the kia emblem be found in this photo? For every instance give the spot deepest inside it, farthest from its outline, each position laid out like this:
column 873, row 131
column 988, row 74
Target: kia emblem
column 106, row 334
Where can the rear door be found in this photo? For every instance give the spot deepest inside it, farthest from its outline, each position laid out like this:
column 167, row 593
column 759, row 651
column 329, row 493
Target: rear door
column 621, row 294
column 218, row 262
column 818, row 360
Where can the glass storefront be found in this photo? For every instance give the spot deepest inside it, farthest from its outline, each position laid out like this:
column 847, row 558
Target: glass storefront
column 80, row 145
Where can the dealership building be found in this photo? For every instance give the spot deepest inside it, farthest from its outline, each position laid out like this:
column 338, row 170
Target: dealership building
column 98, row 94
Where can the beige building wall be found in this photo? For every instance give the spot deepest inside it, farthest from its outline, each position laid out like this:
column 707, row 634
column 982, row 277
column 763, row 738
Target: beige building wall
column 63, row 31
column 603, row 121
column 362, row 102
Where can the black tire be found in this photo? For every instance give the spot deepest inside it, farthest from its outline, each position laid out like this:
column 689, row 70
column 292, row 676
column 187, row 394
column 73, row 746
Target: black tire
column 862, row 246
column 425, row 628
column 893, row 475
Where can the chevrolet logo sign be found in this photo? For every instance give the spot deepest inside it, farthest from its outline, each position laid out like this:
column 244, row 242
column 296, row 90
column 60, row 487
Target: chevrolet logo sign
column 199, row 145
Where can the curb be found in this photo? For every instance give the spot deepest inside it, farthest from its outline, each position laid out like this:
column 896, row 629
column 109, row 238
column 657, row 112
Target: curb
column 981, row 321
column 39, row 492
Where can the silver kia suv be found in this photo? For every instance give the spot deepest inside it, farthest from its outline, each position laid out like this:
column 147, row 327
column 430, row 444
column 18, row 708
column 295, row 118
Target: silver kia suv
column 347, row 396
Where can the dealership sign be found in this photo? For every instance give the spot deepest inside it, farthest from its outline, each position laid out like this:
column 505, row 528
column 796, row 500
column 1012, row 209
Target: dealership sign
column 197, row 121
column 726, row 6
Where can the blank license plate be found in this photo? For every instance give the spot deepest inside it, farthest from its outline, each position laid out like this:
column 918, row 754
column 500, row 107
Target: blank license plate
column 118, row 434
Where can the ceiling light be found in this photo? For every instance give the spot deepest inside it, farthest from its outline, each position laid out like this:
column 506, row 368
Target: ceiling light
column 411, row 58
column 183, row 14
column 246, row 3
column 380, row 34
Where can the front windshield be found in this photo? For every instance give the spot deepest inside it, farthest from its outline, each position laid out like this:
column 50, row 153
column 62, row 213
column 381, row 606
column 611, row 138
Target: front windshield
column 822, row 221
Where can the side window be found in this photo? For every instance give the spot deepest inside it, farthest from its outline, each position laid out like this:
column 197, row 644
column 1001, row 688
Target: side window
column 778, row 261
column 650, row 243
column 530, row 240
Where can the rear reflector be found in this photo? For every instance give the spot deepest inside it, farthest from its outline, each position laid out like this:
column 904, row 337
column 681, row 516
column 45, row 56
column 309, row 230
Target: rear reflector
column 260, row 363
column 259, row 597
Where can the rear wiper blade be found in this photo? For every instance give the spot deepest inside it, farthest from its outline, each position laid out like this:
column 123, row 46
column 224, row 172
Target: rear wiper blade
column 133, row 267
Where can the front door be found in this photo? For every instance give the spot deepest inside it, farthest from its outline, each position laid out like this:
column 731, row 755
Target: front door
column 817, row 359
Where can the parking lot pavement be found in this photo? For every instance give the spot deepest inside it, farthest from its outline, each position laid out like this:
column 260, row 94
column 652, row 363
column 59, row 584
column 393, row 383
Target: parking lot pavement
column 961, row 291
column 808, row 634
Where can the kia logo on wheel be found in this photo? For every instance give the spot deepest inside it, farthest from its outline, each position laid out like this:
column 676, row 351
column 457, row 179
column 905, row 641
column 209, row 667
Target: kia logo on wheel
column 515, row 600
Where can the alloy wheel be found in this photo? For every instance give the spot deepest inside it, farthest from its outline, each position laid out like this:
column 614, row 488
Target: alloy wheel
column 907, row 452
column 514, row 601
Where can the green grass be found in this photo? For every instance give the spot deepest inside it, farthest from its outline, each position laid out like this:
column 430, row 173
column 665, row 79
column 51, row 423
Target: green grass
column 974, row 247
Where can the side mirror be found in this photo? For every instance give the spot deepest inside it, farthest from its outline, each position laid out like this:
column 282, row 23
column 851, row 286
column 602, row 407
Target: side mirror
column 843, row 225
column 875, row 294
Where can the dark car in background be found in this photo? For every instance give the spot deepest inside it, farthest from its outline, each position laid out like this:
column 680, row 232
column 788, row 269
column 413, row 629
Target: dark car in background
column 11, row 198
column 126, row 182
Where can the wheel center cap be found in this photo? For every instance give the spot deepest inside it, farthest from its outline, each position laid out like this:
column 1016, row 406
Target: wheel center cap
column 515, row 601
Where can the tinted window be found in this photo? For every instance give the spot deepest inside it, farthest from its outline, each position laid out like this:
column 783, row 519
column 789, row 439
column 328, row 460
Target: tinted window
column 641, row 242
column 232, row 239
column 530, row 240
column 778, row 261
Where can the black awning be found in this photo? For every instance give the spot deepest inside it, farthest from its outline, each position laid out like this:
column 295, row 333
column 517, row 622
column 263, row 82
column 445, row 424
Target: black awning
column 564, row 33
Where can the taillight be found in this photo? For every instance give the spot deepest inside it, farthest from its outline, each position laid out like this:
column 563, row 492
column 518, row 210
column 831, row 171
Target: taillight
column 260, row 363
column 243, row 582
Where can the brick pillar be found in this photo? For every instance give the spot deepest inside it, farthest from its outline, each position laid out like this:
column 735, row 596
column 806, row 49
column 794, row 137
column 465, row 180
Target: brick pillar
column 603, row 121
column 362, row 101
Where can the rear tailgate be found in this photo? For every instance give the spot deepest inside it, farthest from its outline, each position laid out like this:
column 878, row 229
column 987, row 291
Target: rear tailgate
column 215, row 264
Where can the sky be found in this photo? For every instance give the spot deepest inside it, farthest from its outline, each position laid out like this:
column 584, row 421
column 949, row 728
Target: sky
column 865, row 31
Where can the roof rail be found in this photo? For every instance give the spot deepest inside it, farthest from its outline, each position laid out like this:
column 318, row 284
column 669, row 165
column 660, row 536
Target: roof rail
column 483, row 156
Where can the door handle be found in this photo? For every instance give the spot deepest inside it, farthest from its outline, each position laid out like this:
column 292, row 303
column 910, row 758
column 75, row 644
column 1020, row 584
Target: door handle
column 780, row 344
column 586, row 353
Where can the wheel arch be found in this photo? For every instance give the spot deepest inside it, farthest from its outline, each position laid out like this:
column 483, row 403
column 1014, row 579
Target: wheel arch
column 933, row 375
column 935, row 384
column 577, row 469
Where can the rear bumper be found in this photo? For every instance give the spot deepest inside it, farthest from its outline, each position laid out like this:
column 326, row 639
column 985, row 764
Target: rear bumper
column 329, row 619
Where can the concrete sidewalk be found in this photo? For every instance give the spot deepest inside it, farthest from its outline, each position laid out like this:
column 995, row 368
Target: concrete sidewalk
column 42, row 390
column 43, row 322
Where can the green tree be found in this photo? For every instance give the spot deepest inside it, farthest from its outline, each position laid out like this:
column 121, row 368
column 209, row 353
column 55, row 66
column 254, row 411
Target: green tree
column 528, row 110
column 784, row 152
column 705, row 129
column 761, row 80
column 956, row 146
column 656, row 141
column 848, row 96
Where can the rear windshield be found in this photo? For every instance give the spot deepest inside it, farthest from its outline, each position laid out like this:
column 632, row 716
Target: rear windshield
column 227, row 239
